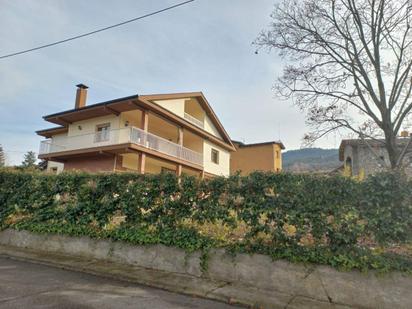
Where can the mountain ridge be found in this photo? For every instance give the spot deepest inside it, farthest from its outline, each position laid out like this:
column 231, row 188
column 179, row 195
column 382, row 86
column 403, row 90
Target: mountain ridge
column 311, row 160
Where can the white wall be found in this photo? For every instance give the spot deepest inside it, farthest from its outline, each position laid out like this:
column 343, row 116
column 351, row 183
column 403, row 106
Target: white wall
column 88, row 126
column 59, row 139
column 176, row 106
column 209, row 127
column 221, row 169
column 53, row 164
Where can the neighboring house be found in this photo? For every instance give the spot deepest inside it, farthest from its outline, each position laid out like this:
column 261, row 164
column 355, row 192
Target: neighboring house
column 142, row 133
column 360, row 160
column 256, row 157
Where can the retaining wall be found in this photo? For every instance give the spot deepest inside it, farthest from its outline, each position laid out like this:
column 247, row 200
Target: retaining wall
column 247, row 279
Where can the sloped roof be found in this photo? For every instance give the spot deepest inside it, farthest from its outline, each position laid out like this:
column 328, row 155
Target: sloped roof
column 203, row 103
column 133, row 102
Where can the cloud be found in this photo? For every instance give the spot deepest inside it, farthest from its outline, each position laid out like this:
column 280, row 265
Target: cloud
column 203, row 46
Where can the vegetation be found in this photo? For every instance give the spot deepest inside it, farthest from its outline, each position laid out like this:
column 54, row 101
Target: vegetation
column 350, row 63
column 311, row 160
column 29, row 161
column 328, row 220
column 2, row 157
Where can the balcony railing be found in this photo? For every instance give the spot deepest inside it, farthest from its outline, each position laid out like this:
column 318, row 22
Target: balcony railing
column 194, row 120
column 121, row 136
column 162, row 145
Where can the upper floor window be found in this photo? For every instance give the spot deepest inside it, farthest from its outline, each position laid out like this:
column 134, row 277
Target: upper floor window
column 102, row 132
column 215, row 156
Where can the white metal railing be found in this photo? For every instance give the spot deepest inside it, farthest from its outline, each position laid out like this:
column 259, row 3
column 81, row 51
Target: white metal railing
column 194, row 120
column 102, row 136
column 121, row 136
column 47, row 147
column 162, row 145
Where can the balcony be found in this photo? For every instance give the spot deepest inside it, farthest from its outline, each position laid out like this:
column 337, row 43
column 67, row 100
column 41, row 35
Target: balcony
column 194, row 120
column 121, row 136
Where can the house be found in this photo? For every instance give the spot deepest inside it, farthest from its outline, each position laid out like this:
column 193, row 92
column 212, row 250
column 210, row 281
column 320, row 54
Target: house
column 157, row 133
column 365, row 157
column 256, row 157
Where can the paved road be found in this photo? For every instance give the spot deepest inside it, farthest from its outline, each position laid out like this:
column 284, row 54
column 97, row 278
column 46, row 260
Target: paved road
column 25, row 285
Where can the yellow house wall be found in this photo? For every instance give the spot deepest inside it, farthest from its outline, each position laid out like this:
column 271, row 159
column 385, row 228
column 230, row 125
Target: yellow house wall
column 256, row 158
column 154, row 166
column 221, row 169
column 278, row 159
column 193, row 108
column 130, row 161
column 133, row 117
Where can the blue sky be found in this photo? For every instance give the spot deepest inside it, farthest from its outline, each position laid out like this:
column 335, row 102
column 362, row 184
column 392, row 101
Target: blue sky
column 205, row 45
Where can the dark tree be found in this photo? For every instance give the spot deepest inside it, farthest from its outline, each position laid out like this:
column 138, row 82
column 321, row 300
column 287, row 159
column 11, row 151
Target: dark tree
column 349, row 66
column 2, row 157
column 42, row 165
column 29, row 160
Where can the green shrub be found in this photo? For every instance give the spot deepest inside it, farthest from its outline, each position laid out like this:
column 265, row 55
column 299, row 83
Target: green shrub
column 297, row 217
column 386, row 204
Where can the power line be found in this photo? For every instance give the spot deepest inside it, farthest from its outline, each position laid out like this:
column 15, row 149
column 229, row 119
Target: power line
column 96, row 31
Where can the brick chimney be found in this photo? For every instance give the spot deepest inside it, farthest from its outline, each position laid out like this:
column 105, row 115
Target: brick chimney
column 81, row 95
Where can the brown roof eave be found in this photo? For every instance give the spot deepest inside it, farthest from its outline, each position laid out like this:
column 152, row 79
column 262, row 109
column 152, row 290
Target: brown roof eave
column 52, row 131
column 134, row 102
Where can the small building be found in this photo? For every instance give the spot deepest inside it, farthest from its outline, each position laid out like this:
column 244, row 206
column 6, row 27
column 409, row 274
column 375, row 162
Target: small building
column 177, row 133
column 248, row 158
column 359, row 160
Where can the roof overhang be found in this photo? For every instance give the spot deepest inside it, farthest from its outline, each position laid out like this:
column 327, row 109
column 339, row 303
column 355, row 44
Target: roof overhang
column 96, row 110
column 145, row 102
column 48, row 133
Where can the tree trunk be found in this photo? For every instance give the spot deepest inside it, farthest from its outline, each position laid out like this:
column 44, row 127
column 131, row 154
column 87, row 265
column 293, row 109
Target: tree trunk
column 391, row 147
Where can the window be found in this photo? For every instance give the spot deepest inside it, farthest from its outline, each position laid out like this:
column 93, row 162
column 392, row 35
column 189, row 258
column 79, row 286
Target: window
column 54, row 170
column 102, row 133
column 215, row 156
column 277, row 154
column 348, row 166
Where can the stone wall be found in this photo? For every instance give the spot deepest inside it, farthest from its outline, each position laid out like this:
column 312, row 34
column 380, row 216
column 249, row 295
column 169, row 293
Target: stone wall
column 363, row 160
column 248, row 279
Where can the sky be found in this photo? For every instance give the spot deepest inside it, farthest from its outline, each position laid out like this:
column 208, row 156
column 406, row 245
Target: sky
column 203, row 46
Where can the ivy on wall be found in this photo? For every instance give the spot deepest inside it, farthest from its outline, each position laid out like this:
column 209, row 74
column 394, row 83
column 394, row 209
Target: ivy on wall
column 328, row 220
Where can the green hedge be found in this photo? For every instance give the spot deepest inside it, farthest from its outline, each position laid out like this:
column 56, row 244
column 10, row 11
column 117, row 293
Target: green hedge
column 327, row 220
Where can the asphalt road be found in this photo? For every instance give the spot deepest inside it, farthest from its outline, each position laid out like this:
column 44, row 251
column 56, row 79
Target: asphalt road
column 26, row 285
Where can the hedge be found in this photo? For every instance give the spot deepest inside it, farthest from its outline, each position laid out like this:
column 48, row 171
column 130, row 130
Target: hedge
column 329, row 220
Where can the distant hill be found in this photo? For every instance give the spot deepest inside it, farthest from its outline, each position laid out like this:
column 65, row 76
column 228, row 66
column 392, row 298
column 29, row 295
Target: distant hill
column 311, row 160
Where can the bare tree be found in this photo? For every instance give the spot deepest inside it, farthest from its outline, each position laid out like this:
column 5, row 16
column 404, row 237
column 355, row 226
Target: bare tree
column 349, row 65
